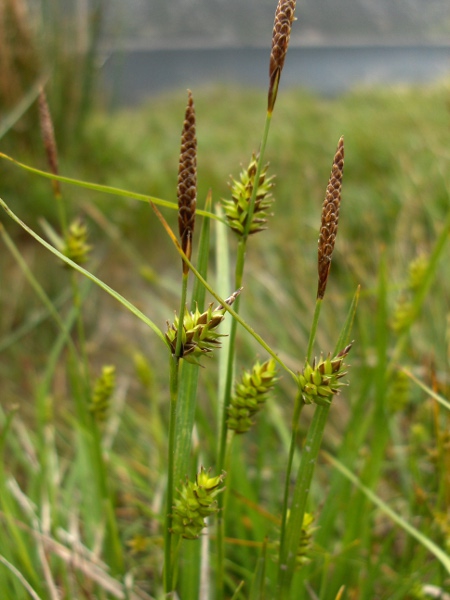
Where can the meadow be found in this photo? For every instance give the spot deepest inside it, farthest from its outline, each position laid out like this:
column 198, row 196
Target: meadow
column 83, row 486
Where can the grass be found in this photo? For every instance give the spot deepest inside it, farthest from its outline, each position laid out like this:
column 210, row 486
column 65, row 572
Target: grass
column 82, row 503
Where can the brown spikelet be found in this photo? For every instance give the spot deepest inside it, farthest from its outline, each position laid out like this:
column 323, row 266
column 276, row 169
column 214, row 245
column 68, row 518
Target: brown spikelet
column 330, row 218
column 187, row 181
column 284, row 17
column 48, row 136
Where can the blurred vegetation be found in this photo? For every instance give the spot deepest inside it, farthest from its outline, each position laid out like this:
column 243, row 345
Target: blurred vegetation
column 54, row 44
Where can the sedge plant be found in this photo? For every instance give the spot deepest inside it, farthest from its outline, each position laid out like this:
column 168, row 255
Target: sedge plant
column 194, row 515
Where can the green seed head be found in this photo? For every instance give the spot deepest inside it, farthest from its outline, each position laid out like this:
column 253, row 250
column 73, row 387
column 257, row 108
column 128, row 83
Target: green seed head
column 237, row 209
column 103, row 390
column 75, row 244
column 197, row 500
column 251, row 393
column 319, row 383
column 199, row 336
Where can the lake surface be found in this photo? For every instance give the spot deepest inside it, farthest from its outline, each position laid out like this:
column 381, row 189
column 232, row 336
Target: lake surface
column 131, row 76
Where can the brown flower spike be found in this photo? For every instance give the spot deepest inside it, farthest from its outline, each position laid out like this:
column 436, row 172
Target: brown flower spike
column 284, row 17
column 187, row 181
column 330, row 218
column 48, row 136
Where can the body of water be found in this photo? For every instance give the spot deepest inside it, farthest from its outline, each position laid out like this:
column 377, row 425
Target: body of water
column 131, row 76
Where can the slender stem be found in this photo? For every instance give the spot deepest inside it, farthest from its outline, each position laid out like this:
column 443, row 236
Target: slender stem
column 222, row 450
column 113, row 545
column 174, row 380
column 77, row 302
column 239, row 273
column 313, row 331
column 220, row 574
column 251, row 207
column 181, row 317
column 299, row 404
column 168, row 565
column 295, row 428
column 300, row 496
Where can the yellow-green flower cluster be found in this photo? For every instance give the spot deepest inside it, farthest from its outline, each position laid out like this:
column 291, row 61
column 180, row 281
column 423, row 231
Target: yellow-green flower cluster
column 405, row 311
column 399, row 391
column 75, row 244
column 237, row 209
column 319, row 383
column 250, row 395
column 103, row 390
column 305, row 542
column 199, row 335
column 196, row 502
column 417, row 271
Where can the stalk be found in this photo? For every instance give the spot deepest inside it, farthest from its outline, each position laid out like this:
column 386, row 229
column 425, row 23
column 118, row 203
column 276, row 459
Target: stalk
column 313, row 330
column 284, row 16
column 289, row 536
column 288, row 549
column 187, row 204
column 238, row 279
column 298, row 406
column 168, row 563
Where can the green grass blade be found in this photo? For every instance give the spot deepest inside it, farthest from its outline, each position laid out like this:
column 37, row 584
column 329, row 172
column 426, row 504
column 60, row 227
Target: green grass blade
column 87, row 274
column 442, row 556
column 20, row 578
column 104, row 189
column 189, row 373
column 427, row 390
column 257, row 591
column 7, row 122
column 187, row 403
column 21, row 546
column 223, row 278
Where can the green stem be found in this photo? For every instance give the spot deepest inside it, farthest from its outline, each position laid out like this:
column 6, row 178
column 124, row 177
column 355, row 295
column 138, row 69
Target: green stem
column 222, row 450
column 168, row 564
column 313, row 331
column 220, row 574
column 295, row 429
column 299, row 404
column 113, row 545
column 308, row 460
column 251, row 206
column 77, row 302
column 181, row 317
column 239, row 273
